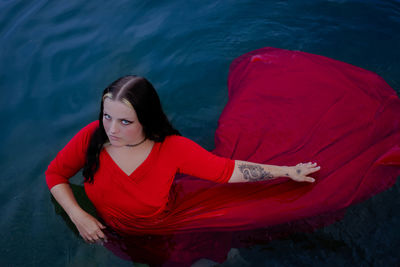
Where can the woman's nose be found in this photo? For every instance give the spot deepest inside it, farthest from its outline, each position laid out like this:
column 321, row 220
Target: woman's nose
column 113, row 127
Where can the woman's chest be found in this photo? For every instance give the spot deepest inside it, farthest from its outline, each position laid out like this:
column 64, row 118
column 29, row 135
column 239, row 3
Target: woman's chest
column 127, row 160
column 142, row 193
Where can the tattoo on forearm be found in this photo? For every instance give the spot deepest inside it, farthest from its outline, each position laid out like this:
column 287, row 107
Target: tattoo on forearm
column 254, row 172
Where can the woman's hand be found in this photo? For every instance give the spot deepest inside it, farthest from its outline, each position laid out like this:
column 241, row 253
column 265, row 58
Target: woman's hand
column 89, row 227
column 299, row 172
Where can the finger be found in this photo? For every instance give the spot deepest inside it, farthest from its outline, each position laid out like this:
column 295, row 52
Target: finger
column 95, row 239
column 85, row 238
column 100, row 233
column 102, row 236
column 92, row 236
column 100, row 225
column 99, row 241
column 309, row 179
column 89, row 240
column 315, row 169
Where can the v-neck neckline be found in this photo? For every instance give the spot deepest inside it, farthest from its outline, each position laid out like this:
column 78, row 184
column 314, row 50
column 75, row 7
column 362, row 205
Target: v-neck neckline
column 139, row 168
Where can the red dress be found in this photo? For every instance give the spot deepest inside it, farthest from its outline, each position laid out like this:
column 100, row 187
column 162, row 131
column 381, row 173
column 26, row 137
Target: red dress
column 284, row 107
column 122, row 199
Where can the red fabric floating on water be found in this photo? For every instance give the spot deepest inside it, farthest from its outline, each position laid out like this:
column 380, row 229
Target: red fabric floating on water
column 287, row 107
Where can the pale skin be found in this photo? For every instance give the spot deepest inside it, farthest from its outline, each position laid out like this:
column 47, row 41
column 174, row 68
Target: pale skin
column 123, row 129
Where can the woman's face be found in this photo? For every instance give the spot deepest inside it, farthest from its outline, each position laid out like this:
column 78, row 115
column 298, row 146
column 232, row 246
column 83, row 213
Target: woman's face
column 121, row 123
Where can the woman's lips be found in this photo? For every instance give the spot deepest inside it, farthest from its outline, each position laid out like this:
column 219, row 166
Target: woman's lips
column 113, row 137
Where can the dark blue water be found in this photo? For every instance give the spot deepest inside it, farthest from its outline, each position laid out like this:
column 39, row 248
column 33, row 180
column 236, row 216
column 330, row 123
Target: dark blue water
column 57, row 56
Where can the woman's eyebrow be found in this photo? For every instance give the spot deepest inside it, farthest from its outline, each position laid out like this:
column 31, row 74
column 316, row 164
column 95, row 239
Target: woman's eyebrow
column 123, row 118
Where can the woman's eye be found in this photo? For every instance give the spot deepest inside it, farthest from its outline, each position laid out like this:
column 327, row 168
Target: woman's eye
column 107, row 117
column 125, row 122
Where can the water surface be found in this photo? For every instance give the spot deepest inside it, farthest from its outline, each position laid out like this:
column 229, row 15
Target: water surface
column 56, row 58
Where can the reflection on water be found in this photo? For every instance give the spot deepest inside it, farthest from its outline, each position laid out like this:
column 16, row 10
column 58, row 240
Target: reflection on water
column 57, row 57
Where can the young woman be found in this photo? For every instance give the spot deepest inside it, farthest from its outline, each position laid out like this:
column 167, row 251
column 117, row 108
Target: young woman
column 130, row 157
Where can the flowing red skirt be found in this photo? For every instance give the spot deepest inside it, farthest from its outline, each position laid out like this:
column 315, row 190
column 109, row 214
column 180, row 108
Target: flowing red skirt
column 285, row 107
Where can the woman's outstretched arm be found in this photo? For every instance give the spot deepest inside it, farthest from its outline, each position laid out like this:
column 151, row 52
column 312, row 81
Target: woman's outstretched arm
column 245, row 171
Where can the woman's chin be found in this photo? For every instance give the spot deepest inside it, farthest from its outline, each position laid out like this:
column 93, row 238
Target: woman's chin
column 116, row 143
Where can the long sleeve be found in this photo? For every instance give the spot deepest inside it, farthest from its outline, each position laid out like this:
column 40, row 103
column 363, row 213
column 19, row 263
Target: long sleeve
column 196, row 161
column 71, row 158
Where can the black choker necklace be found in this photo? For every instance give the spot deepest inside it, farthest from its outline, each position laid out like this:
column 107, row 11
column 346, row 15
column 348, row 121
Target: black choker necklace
column 141, row 142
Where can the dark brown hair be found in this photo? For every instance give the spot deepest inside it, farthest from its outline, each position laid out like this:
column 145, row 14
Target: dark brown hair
column 141, row 95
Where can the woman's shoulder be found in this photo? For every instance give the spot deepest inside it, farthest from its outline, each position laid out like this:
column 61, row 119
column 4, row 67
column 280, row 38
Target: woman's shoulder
column 176, row 146
column 179, row 143
column 86, row 132
column 90, row 128
column 176, row 140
